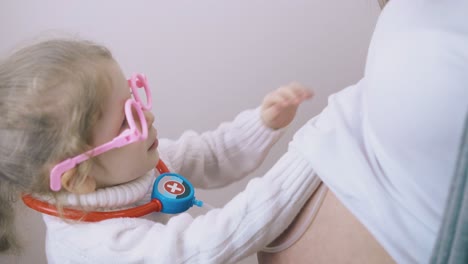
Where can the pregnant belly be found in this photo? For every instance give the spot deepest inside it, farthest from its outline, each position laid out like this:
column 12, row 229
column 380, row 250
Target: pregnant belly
column 333, row 236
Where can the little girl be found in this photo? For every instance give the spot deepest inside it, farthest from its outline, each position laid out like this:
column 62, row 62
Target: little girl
column 76, row 136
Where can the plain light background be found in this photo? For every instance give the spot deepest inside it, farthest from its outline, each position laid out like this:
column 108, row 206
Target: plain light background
column 206, row 61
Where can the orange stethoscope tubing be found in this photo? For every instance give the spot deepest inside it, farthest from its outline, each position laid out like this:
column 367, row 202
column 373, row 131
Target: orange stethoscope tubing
column 92, row 216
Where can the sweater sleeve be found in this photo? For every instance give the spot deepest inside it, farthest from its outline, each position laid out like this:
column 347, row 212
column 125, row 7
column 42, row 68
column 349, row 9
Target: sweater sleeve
column 219, row 157
column 242, row 227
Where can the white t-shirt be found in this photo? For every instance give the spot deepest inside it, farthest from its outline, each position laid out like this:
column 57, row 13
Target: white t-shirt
column 387, row 146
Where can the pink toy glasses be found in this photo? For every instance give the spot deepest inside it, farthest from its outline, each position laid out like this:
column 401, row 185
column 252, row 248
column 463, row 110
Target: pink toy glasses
column 130, row 135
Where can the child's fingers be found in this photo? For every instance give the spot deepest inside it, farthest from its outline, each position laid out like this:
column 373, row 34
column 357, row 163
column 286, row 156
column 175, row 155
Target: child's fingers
column 295, row 93
column 300, row 92
column 283, row 96
column 272, row 99
column 290, row 95
column 273, row 112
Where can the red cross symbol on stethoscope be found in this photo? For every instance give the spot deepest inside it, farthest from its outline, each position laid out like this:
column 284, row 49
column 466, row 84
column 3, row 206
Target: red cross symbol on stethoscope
column 174, row 187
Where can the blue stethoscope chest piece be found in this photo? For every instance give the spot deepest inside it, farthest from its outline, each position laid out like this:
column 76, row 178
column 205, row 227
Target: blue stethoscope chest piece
column 175, row 193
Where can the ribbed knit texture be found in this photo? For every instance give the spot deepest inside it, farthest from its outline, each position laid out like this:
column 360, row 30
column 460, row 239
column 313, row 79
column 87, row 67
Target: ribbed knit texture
column 243, row 226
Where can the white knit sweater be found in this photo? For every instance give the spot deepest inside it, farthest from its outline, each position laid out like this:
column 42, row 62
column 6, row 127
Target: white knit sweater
column 243, row 226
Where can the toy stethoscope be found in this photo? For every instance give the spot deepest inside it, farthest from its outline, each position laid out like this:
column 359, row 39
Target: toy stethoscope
column 172, row 194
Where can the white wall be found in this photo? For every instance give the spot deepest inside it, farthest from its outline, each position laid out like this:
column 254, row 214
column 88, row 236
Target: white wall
column 206, row 60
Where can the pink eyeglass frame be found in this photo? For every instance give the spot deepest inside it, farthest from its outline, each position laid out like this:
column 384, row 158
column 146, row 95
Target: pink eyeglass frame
column 128, row 136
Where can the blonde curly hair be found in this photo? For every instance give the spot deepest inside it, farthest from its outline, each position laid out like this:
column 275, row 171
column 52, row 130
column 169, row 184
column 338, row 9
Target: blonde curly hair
column 51, row 94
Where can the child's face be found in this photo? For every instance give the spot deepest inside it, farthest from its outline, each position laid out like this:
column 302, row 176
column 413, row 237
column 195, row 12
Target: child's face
column 127, row 163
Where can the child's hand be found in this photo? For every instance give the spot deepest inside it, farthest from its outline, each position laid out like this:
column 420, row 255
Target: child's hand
column 279, row 107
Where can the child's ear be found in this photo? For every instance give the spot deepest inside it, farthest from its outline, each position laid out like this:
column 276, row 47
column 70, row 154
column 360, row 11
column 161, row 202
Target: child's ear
column 71, row 183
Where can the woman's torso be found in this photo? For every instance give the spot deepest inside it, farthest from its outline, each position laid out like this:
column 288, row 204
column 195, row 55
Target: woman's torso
column 333, row 236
